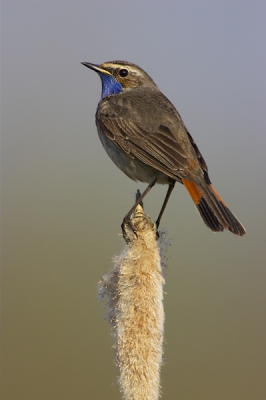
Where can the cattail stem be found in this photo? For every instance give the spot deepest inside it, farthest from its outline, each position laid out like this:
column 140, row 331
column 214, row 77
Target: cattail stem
column 133, row 291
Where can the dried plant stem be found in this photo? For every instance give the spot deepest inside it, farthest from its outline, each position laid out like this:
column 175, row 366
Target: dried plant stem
column 134, row 296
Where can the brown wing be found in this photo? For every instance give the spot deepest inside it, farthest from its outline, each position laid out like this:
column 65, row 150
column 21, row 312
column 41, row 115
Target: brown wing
column 146, row 125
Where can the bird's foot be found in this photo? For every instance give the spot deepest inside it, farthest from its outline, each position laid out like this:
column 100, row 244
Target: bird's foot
column 157, row 223
column 125, row 226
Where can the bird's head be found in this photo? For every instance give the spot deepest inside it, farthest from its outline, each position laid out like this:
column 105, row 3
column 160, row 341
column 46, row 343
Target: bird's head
column 120, row 76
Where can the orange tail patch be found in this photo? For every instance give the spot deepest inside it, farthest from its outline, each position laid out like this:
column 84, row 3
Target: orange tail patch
column 218, row 196
column 193, row 191
column 205, row 208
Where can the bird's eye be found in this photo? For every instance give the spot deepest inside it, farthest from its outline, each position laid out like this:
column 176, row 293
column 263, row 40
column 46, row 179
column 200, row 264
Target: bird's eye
column 123, row 72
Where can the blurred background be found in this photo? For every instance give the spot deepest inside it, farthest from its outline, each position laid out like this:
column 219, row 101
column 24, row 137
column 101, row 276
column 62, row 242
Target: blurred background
column 63, row 200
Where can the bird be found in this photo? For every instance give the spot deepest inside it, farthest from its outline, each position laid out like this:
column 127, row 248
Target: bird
column 145, row 136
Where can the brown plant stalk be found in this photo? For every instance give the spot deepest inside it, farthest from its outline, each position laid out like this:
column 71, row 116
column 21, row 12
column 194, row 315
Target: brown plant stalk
column 133, row 291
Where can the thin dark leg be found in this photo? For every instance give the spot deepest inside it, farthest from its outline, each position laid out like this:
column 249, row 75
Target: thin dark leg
column 138, row 195
column 168, row 194
column 126, row 220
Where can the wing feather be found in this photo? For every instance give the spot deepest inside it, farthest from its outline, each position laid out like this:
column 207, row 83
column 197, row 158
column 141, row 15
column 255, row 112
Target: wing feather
column 155, row 135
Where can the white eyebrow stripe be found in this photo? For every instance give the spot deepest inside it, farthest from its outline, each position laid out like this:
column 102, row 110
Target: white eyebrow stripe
column 135, row 71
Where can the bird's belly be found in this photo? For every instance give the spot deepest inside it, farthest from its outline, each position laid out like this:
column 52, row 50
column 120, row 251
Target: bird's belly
column 132, row 167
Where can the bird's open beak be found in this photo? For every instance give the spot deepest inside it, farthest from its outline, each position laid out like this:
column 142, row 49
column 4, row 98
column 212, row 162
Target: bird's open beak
column 96, row 68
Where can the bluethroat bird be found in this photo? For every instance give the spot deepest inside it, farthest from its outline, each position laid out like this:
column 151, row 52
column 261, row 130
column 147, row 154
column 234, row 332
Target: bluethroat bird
column 144, row 135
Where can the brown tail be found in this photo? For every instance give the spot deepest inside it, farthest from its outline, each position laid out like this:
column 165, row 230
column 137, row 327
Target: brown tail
column 212, row 208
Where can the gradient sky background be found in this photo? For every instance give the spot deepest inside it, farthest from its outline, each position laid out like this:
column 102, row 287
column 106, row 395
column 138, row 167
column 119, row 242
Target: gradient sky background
column 63, row 200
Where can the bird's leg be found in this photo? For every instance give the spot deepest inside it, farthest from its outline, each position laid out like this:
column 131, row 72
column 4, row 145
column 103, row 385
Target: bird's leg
column 168, row 194
column 126, row 220
column 138, row 195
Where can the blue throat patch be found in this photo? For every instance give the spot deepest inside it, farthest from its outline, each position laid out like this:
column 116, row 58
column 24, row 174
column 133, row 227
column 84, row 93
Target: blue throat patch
column 109, row 85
